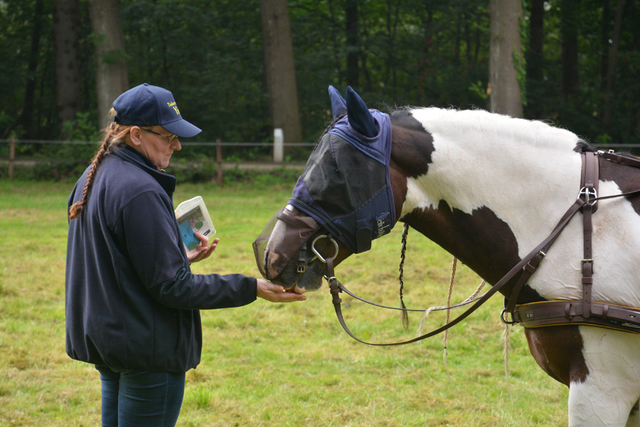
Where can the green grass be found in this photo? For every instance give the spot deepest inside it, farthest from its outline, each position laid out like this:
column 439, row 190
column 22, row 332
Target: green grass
column 271, row 364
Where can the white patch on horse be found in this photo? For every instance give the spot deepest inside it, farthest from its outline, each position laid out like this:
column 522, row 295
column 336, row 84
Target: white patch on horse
column 528, row 175
column 607, row 395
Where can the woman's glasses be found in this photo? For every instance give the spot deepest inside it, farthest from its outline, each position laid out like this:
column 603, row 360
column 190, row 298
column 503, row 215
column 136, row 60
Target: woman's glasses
column 169, row 137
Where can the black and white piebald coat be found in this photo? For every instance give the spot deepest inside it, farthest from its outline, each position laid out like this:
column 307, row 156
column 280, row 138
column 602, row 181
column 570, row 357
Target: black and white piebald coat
column 488, row 189
column 491, row 189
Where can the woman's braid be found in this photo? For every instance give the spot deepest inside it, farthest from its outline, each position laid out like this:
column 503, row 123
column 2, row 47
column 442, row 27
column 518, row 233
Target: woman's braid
column 116, row 135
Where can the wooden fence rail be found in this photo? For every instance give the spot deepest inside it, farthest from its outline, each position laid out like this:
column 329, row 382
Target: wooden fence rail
column 277, row 146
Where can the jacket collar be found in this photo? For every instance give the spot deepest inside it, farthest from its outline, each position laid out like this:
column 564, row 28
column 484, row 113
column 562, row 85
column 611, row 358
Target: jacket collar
column 129, row 154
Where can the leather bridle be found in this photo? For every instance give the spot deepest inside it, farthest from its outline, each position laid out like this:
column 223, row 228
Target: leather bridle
column 545, row 313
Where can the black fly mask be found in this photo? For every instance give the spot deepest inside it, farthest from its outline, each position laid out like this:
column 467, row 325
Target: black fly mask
column 345, row 187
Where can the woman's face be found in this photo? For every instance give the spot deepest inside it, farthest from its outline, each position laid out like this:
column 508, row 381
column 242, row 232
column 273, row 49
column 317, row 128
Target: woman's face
column 155, row 143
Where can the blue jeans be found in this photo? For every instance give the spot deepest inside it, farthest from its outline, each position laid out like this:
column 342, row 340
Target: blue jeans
column 135, row 398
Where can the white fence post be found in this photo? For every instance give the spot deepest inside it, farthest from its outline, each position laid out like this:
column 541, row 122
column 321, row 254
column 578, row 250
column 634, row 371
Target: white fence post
column 278, row 145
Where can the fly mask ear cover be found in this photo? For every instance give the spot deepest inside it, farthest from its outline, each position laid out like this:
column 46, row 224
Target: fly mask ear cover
column 345, row 185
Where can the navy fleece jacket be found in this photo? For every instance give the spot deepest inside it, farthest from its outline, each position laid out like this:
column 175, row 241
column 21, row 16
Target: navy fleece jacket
column 131, row 299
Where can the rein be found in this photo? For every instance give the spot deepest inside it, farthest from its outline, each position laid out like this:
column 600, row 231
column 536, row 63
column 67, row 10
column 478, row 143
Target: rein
column 351, row 294
column 545, row 313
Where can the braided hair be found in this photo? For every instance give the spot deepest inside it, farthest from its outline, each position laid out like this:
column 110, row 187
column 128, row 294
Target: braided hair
column 115, row 137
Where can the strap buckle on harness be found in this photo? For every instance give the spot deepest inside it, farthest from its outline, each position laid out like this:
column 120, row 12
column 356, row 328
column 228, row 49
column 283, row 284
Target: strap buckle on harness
column 589, row 195
column 503, row 317
column 587, row 261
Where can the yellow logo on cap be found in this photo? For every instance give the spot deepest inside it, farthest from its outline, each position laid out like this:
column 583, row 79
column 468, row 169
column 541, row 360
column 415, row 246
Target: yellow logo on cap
column 175, row 107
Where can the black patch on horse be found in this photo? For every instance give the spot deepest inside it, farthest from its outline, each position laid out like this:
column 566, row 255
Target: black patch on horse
column 412, row 143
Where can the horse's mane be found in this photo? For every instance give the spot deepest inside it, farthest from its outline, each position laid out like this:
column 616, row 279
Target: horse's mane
column 330, row 124
column 584, row 147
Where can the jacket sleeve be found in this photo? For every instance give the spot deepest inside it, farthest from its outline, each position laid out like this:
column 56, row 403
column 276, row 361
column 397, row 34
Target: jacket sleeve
column 152, row 238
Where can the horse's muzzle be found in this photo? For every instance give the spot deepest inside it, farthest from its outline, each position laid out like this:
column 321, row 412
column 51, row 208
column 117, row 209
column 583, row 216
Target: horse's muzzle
column 284, row 237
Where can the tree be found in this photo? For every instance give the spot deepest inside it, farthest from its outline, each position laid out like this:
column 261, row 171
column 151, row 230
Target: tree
column 66, row 21
column 535, row 60
column 411, row 52
column 279, row 68
column 505, row 44
column 111, row 67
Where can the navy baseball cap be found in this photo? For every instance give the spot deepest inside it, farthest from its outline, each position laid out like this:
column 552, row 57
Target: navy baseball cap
column 148, row 105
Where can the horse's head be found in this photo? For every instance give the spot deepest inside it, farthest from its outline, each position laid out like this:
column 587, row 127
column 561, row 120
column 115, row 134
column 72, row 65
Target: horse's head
column 293, row 249
column 333, row 212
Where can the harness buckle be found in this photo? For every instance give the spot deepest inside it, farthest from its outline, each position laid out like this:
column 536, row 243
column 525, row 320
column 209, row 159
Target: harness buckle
column 589, row 195
column 582, row 264
column 503, row 317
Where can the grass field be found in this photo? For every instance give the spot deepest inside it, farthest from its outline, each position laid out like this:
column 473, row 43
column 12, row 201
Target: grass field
column 268, row 364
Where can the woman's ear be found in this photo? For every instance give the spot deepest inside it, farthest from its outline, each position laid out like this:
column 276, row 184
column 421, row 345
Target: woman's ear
column 135, row 135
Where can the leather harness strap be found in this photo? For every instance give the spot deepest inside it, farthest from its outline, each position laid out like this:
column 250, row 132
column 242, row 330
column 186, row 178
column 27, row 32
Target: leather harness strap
column 623, row 160
column 585, row 312
column 589, row 191
column 556, row 313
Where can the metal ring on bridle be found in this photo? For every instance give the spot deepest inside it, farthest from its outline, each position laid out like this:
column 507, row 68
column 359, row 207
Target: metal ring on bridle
column 315, row 251
column 503, row 317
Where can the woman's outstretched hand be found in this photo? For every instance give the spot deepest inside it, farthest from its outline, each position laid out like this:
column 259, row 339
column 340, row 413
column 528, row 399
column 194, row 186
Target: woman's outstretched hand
column 276, row 293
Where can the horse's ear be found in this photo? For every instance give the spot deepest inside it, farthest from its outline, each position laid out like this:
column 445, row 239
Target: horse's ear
column 338, row 104
column 360, row 117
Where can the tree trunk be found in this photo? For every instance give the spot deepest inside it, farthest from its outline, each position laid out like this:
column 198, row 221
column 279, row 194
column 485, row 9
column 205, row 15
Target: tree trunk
column 66, row 21
column 535, row 60
column 26, row 117
column 111, row 67
column 611, row 71
column 353, row 53
column 569, row 55
column 504, row 27
column 280, row 69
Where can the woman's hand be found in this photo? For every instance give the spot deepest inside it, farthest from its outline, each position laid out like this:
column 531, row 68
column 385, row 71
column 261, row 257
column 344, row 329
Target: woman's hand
column 276, row 293
column 203, row 250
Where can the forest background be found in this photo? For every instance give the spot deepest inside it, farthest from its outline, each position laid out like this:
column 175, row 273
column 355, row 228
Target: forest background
column 577, row 63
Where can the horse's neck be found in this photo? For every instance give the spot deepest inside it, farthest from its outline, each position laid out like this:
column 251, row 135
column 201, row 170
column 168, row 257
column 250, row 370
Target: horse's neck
column 492, row 186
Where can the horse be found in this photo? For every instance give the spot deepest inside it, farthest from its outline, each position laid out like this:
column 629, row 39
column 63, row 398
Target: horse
column 487, row 188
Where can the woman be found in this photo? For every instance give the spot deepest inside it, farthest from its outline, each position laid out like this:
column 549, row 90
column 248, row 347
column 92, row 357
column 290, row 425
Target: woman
column 132, row 303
